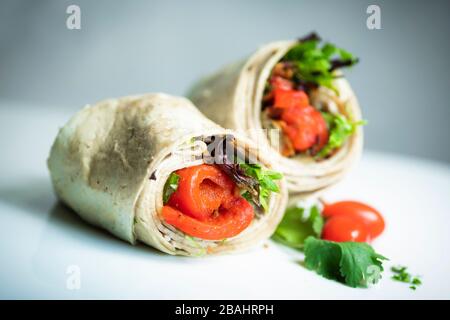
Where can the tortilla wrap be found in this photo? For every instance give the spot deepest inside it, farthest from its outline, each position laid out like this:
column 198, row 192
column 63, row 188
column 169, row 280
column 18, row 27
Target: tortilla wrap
column 110, row 162
column 232, row 98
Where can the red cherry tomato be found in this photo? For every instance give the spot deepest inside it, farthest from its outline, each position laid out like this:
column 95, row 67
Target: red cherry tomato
column 357, row 211
column 343, row 229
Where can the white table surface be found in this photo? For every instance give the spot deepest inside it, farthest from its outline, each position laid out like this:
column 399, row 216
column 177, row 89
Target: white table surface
column 40, row 239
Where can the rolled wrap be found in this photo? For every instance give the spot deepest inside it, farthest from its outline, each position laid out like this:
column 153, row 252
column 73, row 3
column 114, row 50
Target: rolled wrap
column 110, row 162
column 232, row 98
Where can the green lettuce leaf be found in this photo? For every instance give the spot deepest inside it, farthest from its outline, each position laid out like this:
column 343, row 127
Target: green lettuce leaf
column 340, row 128
column 266, row 180
column 315, row 64
column 170, row 186
column 295, row 228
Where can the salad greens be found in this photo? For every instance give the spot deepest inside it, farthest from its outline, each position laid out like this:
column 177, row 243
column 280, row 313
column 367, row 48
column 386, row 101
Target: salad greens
column 315, row 64
column 255, row 182
column 340, row 128
column 170, row 186
column 266, row 180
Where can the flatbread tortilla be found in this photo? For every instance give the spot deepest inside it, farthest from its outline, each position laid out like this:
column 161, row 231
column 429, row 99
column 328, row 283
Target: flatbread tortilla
column 110, row 162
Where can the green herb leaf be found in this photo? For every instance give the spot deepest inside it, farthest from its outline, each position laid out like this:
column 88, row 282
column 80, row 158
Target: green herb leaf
column 353, row 263
column 170, row 186
column 247, row 196
column 340, row 128
column 316, row 220
column 324, row 257
column 345, row 55
column 274, row 175
column 315, row 64
column 268, row 183
column 295, row 228
column 356, row 259
column 402, row 275
column 328, row 50
column 266, row 180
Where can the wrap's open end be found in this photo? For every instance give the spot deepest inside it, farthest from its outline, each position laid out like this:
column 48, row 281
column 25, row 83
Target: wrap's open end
column 235, row 97
column 111, row 162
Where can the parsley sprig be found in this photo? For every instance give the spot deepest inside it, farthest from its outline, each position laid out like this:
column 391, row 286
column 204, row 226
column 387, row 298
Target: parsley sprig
column 401, row 274
column 354, row 263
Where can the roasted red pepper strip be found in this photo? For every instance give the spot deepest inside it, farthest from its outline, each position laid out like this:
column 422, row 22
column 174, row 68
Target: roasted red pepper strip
column 228, row 222
column 290, row 99
column 205, row 204
column 201, row 190
column 305, row 127
column 301, row 123
column 281, row 83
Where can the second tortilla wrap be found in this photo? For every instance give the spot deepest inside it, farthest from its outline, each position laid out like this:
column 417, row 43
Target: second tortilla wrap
column 110, row 163
column 232, row 98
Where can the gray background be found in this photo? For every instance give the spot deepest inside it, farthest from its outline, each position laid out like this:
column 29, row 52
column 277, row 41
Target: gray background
column 127, row 47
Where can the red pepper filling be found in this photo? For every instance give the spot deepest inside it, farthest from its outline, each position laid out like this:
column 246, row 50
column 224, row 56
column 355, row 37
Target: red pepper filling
column 301, row 123
column 207, row 205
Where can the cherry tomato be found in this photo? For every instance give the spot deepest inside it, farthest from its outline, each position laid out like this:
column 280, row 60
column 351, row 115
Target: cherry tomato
column 342, row 229
column 228, row 223
column 357, row 211
column 201, row 191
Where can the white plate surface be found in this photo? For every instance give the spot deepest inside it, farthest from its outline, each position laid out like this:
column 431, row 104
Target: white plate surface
column 40, row 239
